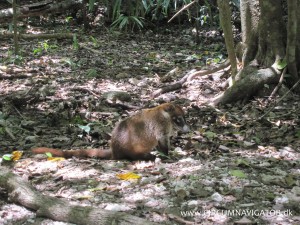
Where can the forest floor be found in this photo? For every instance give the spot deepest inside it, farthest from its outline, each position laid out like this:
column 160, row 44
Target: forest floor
column 231, row 168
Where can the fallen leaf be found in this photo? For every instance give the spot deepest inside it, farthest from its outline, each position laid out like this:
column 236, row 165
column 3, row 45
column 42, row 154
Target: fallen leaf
column 237, row 173
column 54, row 159
column 128, row 176
column 16, row 155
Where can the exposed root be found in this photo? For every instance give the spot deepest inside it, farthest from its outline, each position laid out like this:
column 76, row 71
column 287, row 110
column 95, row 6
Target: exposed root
column 188, row 77
column 209, row 71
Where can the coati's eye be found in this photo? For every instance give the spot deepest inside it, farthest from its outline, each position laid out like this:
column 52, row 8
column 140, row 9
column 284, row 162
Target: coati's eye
column 178, row 120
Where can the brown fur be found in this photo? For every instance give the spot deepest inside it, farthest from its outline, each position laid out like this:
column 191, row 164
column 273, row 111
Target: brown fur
column 135, row 137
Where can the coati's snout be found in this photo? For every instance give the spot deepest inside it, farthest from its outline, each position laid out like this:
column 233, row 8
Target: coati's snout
column 177, row 117
column 181, row 124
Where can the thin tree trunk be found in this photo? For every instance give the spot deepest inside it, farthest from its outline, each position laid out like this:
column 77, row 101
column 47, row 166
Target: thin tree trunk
column 15, row 23
column 225, row 19
column 291, row 41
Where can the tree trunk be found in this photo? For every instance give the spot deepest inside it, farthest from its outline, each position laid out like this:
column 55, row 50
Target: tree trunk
column 225, row 20
column 21, row 192
column 266, row 44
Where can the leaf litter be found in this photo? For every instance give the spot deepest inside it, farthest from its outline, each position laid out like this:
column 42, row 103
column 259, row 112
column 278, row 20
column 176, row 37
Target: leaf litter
column 230, row 163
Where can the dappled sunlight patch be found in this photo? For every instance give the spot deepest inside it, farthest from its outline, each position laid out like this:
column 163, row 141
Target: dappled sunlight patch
column 186, row 166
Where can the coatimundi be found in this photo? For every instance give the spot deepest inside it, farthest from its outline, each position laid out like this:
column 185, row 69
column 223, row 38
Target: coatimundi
column 135, row 137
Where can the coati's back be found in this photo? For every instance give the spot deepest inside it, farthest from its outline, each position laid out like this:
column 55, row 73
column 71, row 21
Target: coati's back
column 136, row 136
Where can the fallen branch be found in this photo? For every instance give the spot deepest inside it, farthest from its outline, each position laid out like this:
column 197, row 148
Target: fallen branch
column 209, row 71
column 172, row 87
column 278, row 85
column 15, row 76
column 188, row 77
column 40, row 8
column 21, row 192
column 38, row 36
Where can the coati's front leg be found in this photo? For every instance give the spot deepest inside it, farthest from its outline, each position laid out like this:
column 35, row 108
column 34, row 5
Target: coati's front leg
column 164, row 144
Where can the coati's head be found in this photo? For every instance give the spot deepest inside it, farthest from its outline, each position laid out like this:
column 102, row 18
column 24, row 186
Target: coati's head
column 177, row 116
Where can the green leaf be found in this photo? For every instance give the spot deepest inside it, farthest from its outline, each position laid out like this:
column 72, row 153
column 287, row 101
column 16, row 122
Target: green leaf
column 281, row 65
column 92, row 72
column 297, row 134
column 138, row 21
column 270, row 196
column 124, row 22
column 237, row 173
column 86, row 128
column 242, row 163
column 210, row 134
column 91, row 5
column 48, row 154
column 289, row 180
column 7, row 157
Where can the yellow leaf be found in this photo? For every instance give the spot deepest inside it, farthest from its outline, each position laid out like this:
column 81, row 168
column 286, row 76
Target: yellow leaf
column 16, row 155
column 55, row 159
column 128, row 176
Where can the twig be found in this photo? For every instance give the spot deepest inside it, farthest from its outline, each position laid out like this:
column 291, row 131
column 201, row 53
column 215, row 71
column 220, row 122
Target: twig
column 7, row 130
column 209, row 71
column 174, row 86
column 292, row 88
column 90, row 49
column 183, row 8
column 278, row 85
column 86, row 90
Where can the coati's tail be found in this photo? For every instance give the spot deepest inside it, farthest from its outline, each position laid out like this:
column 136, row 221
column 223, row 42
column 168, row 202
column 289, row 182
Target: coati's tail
column 92, row 153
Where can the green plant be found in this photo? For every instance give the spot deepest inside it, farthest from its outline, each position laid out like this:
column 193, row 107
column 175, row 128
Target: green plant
column 14, row 59
column 127, row 15
column 128, row 22
column 69, row 62
column 75, row 42
column 92, row 72
column 69, row 19
column 95, row 42
column 91, row 5
column 44, row 47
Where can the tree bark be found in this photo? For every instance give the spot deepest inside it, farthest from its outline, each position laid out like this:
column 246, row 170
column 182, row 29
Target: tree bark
column 249, row 21
column 225, row 20
column 292, row 41
column 21, row 192
column 15, row 22
column 254, row 80
column 264, row 42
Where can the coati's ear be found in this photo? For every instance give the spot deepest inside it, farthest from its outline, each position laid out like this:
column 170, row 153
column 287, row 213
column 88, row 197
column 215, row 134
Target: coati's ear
column 170, row 108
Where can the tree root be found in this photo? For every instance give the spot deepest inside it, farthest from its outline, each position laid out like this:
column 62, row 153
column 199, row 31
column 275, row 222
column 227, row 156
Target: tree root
column 21, row 192
column 250, row 82
column 188, row 77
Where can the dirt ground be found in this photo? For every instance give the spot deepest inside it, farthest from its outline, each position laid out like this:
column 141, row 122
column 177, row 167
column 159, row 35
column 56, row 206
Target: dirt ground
column 233, row 167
